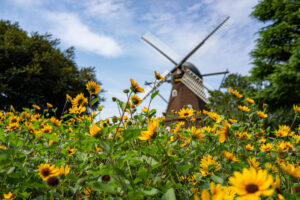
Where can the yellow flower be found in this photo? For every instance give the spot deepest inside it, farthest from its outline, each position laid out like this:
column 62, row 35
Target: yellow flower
column 151, row 128
column 94, row 130
column 46, row 171
column 145, row 110
column 77, row 110
column 291, row 170
column 283, row 146
column 70, row 151
column 87, row 192
column 296, row 108
column 92, row 87
column 284, row 131
column 8, row 196
column 64, row 170
column 230, row 156
column 188, row 112
column 12, row 108
column 266, row 147
column 49, row 105
column 214, row 116
column 36, row 107
column 69, row 98
column 261, row 114
column 135, row 100
column 186, row 142
column 244, row 108
column 79, row 100
column 252, row 183
column 271, row 167
column 232, row 120
column 47, row 129
column 135, row 87
column 250, row 100
column 249, row 147
column 297, row 138
column 13, row 126
column 55, row 121
column 235, row 93
column 3, row 147
column 208, row 165
column 198, row 133
column 158, row 76
column 223, row 131
column 14, row 119
column 253, row 163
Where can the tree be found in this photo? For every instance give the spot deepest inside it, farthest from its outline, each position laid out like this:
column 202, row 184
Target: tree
column 33, row 70
column 276, row 57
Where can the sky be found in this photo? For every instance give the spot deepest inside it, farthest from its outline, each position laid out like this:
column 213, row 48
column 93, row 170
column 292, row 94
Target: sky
column 107, row 34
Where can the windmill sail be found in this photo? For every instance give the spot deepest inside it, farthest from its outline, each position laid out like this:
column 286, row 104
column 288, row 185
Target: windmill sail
column 194, row 83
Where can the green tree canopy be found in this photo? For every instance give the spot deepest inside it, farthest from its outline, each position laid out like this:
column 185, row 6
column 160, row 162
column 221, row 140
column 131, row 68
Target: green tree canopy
column 276, row 57
column 33, row 70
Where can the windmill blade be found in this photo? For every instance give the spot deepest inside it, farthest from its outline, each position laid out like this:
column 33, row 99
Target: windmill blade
column 161, row 47
column 195, row 84
column 199, row 45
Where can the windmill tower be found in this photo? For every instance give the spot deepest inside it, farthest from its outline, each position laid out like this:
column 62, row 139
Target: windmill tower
column 187, row 81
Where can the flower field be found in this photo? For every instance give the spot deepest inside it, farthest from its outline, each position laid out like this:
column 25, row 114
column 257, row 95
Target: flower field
column 136, row 156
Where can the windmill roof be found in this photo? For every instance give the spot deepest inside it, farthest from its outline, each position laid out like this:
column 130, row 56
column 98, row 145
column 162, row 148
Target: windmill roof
column 193, row 68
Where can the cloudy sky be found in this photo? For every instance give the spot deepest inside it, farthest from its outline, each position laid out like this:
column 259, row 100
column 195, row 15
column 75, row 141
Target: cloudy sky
column 106, row 34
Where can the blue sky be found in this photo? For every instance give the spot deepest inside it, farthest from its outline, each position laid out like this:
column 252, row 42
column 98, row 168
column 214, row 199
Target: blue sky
column 106, row 34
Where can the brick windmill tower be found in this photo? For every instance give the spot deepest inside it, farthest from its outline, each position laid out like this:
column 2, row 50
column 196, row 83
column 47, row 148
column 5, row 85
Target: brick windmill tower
column 187, row 85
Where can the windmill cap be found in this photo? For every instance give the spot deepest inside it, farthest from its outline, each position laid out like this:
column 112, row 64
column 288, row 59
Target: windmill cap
column 192, row 67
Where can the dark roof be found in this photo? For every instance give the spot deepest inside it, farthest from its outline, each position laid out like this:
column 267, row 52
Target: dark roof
column 193, row 68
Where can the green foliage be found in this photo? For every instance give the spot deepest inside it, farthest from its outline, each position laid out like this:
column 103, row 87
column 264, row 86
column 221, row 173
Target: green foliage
column 33, row 70
column 276, row 57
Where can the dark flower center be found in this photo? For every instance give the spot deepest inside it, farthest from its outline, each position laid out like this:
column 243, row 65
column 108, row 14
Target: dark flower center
column 53, row 181
column 46, row 172
column 251, row 188
column 186, row 114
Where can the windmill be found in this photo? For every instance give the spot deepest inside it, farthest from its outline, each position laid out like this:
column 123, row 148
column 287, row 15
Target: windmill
column 187, row 81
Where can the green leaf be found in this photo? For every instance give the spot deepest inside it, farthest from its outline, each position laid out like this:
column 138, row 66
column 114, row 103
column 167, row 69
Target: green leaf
column 169, row 195
column 154, row 94
column 151, row 192
column 94, row 101
column 217, row 179
column 142, row 173
column 102, row 187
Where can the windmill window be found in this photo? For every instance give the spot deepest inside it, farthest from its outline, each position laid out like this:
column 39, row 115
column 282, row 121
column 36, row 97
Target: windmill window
column 189, row 106
column 174, row 93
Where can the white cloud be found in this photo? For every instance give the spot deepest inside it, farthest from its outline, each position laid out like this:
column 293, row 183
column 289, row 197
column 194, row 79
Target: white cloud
column 72, row 31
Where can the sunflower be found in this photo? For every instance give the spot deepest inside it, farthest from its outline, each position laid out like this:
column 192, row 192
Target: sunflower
column 249, row 147
column 79, row 100
column 135, row 100
column 230, row 156
column 262, row 114
column 188, row 112
column 49, row 105
column 253, row 163
column 92, row 87
column 244, row 108
column 235, row 93
column 267, row 147
column 36, row 107
column 135, row 87
column 223, row 131
column 208, row 165
column 13, row 126
column 271, row 167
column 64, row 170
column 3, row 147
column 284, row 131
column 55, row 121
column 252, row 183
column 151, row 128
column 214, row 116
column 47, row 129
column 158, row 76
column 8, row 196
column 250, row 100
column 94, row 130
column 145, row 109
column 291, row 170
column 46, row 171
column 77, row 110
column 296, row 108
column 70, row 151
column 14, row 119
